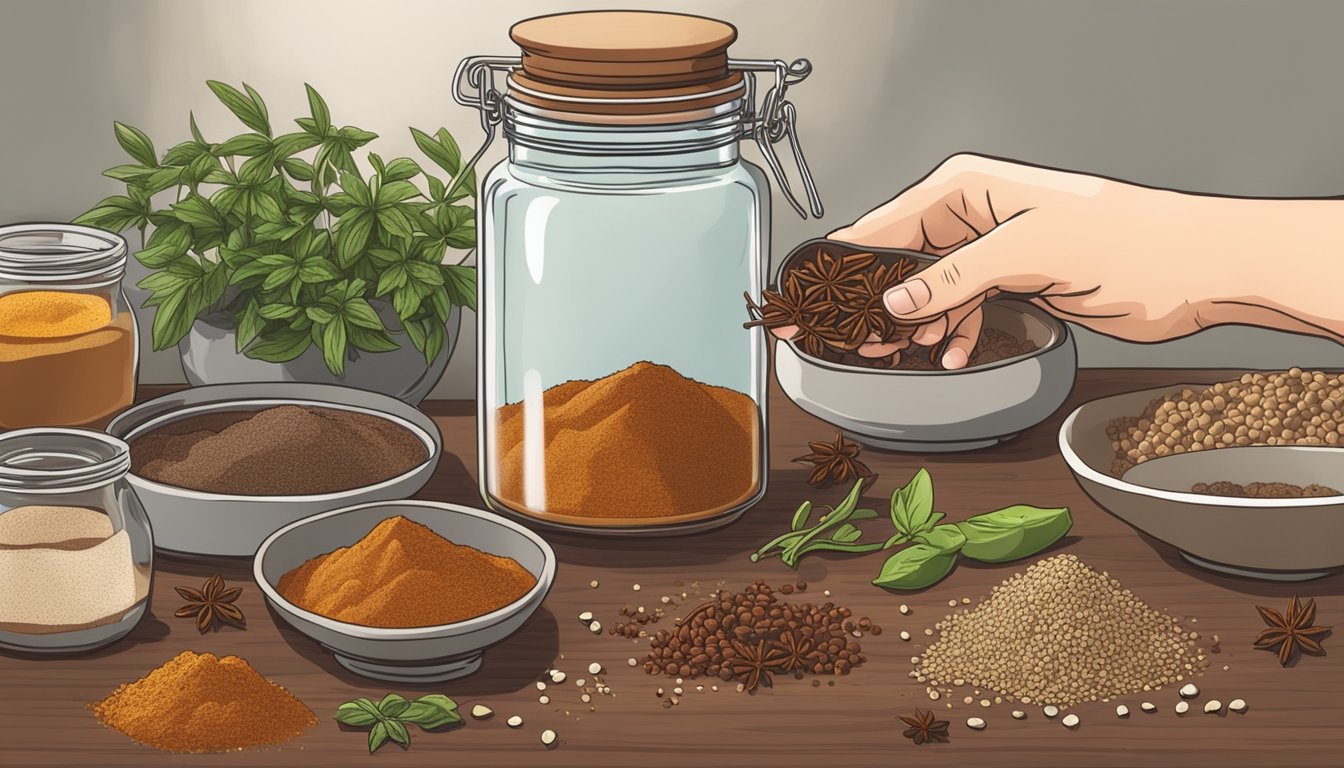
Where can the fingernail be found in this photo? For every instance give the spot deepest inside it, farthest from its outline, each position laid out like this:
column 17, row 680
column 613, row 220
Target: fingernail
column 907, row 297
column 954, row 358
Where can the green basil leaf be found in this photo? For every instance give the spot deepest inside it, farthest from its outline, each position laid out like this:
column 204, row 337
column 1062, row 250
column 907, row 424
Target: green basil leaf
column 255, row 170
column 298, row 168
column 377, row 736
column 433, row 711
column 370, row 340
column 425, row 274
column 393, row 705
column 352, row 234
column 355, row 187
column 136, row 144
column 446, row 156
column 350, row 713
column 435, row 339
column 244, row 145
column 196, row 132
column 250, row 323
column 253, row 115
column 280, row 346
column 260, row 107
column 334, row 347
column 316, row 269
column 127, row 172
column 278, row 311
column 395, row 191
column 1013, row 533
column 173, row 316
column 460, row 281
column 400, row 169
column 197, row 212
column 358, row 312
column 319, row 314
column 356, row 137
column 436, row 189
column 912, row 505
column 321, row 115
column 916, row 567
column 396, row 730
column 800, row 518
column 944, row 538
column 184, row 153
column 392, row 278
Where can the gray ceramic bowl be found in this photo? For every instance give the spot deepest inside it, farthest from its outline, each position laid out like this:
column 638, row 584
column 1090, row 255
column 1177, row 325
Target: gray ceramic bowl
column 934, row 411
column 420, row 654
column 188, row 522
column 1279, row 539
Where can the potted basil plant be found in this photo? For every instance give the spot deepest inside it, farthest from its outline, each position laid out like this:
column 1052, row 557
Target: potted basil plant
column 274, row 258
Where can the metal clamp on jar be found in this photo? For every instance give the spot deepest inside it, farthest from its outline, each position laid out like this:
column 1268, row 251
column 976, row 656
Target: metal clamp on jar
column 619, row 391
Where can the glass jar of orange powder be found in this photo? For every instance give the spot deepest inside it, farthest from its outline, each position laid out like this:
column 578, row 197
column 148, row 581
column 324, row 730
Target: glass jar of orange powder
column 68, row 342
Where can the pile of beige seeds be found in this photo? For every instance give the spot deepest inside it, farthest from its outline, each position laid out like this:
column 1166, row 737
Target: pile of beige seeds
column 1294, row 407
column 1060, row 634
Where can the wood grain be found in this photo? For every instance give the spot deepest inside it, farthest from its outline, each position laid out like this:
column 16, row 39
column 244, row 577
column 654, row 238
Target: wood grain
column 1293, row 717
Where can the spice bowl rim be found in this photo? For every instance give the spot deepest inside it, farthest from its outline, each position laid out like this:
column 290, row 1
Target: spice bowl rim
column 431, row 447
column 1059, row 331
column 533, row 596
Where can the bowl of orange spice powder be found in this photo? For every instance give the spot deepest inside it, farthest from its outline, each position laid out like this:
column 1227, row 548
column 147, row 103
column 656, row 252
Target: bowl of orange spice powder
column 406, row 591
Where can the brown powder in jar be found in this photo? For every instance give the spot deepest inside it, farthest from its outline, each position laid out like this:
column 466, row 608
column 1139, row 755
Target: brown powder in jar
column 198, row 702
column 403, row 574
column 645, row 442
column 287, row 450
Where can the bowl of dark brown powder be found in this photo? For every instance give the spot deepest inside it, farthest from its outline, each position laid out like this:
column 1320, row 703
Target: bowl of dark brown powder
column 220, row 468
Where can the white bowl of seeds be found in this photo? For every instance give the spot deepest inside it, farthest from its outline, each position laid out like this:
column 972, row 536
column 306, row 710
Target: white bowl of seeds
column 1241, row 476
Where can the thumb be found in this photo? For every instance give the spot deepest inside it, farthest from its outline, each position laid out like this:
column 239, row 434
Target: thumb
column 965, row 276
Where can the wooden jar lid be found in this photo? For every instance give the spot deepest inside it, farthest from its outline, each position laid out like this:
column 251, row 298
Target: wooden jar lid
column 624, row 62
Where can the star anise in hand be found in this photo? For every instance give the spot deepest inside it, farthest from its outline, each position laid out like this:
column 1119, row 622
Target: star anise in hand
column 836, row 462
column 924, row 728
column 753, row 664
column 830, row 278
column 1293, row 631
column 211, row 604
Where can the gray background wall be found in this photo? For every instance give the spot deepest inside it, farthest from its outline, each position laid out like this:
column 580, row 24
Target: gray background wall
column 1232, row 97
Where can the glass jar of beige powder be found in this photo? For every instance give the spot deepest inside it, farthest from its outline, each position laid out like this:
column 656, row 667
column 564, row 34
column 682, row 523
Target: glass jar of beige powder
column 76, row 551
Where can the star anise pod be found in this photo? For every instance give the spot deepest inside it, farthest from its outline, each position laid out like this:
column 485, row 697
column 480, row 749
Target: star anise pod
column 753, row 664
column 1293, row 631
column 836, row 462
column 798, row 653
column 211, row 604
column 827, row 277
column 924, row 728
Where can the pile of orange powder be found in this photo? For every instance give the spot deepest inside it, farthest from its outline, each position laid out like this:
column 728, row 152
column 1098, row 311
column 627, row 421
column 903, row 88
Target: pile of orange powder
column 402, row 574
column 198, row 702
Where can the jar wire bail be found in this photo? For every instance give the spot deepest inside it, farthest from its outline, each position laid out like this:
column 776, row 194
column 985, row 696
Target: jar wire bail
column 776, row 120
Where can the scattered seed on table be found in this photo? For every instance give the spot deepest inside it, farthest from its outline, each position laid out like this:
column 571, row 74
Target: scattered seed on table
column 678, row 691
column 541, row 686
column 595, row 627
column 716, row 688
column 580, row 682
column 905, row 609
column 482, row 712
column 593, row 583
column 557, row 676
column 659, row 692
column 975, row 723
column 1182, row 707
column 1122, row 711
column 1237, row 705
column 984, row 702
column 594, row 668
column 952, row 603
column 965, row 601
column 1189, row 691
column 1148, row 706
column 933, row 695
column 968, row 700
column 1050, row 710
column 515, row 722
column 1213, row 707
column 905, row 635
column 585, row 698
column 699, row 689
column 544, row 699
column 958, row 682
column 632, row 661
column 928, row 632
column 548, row 737
column 586, row 616
column 1070, row 721
column 635, row 587
column 826, row 593
column 1019, row 714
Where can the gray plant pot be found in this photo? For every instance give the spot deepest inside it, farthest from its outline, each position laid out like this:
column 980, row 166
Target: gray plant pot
column 209, row 357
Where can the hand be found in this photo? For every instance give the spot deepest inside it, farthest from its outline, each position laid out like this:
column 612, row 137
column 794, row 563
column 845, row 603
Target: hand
column 1131, row 262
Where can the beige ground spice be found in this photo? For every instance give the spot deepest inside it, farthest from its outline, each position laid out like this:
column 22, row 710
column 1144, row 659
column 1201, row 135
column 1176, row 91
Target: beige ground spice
column 1062, row 633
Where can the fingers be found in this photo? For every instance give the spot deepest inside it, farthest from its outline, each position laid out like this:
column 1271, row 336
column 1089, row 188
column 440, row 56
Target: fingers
column 937, row 329
column 875, row 348
column 965, row 276
column 962, row 341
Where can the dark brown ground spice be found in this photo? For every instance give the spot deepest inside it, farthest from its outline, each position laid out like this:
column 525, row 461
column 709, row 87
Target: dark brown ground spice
column 1263, row 490
column 994, row 345
column 287, row 450
column 752, row 635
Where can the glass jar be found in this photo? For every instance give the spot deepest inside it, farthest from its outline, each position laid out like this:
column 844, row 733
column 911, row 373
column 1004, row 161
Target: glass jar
column 618, row 245
column 76, row 551
column 68, row 342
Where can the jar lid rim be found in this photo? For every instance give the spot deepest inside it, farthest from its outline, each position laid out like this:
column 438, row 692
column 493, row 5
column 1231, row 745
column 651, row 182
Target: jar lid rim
column 101, row 467
column 48, row 251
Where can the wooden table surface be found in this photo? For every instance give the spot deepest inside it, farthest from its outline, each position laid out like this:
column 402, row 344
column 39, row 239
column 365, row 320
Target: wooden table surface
column 1293, row 719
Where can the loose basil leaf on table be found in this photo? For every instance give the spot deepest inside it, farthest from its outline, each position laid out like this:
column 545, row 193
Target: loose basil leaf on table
column 1013, row 533
column 944, row 538
column 916, row 567
column 912, row 505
